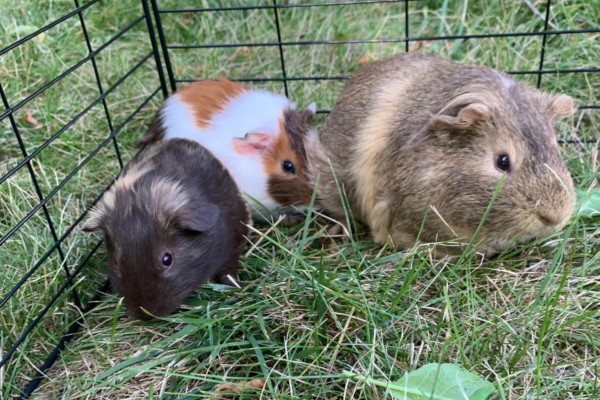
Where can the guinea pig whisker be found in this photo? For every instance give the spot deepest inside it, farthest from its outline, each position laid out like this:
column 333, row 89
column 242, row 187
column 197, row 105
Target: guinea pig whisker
column 562, row 183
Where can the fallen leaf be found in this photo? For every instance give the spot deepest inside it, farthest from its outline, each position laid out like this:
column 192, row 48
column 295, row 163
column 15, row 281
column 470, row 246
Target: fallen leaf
column 28, row 118
column 233, row 388
column 417, row 45
column 243, row 51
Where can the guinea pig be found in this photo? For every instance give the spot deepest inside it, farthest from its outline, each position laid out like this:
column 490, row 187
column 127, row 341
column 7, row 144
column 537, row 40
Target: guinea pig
column 419, row 144
column 172, row 221
column 259, row 137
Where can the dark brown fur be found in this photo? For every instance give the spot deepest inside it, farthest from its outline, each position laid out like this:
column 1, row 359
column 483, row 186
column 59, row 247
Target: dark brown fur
column 175, row 197
column 155, row 132
column 416, row 134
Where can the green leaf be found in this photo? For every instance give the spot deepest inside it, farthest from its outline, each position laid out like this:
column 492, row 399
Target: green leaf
column 588, row 202
column 435, row 382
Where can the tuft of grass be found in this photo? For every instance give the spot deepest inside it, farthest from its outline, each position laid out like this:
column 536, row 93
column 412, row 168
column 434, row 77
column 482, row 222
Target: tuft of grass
column 312, row 307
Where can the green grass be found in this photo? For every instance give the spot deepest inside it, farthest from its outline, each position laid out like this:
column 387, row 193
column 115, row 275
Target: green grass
column 311, row 307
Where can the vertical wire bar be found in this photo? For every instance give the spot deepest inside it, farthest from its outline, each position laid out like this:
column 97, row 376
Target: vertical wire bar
column 281, row 59
column 39, row 193
column 406, row 25
column 99, row 83
column 163, row 45
column 159, row 70
column 544, row 37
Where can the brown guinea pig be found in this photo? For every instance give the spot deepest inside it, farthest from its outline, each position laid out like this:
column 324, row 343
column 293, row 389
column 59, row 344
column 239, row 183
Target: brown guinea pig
column 258, row 136
column 172, row 221
column 415, row 134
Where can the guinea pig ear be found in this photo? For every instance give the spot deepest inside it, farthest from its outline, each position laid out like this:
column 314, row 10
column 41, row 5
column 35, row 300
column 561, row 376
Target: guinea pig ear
column 252, row 143
column 561, row 106
column 310, row 111
column 199, row 217
column 466, row 117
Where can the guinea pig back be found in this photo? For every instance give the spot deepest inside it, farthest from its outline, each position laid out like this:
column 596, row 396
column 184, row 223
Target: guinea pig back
column 416, row 135
column 257, row 135
column 172, row 221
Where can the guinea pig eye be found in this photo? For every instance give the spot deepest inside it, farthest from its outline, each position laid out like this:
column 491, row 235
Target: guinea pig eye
column 167, row 260
column 288, row 167
column 503, row 162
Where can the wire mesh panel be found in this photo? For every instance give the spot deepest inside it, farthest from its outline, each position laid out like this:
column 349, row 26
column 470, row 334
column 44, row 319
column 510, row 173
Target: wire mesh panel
column 78, row 82
column 68, row 122
column 307, row 50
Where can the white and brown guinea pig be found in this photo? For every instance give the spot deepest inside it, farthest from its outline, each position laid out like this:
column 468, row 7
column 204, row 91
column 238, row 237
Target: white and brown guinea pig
column 420, row 143
column 257, row 135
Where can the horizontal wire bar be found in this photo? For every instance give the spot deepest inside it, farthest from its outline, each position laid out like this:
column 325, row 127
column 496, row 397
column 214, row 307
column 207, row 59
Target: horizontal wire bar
column 76, row 169
column 53, row 300
column 278, row 6
column 580, row 141
column 70, row 70
column 75, row 119
column 43, row 29
column 346, row 77
column 384, row 40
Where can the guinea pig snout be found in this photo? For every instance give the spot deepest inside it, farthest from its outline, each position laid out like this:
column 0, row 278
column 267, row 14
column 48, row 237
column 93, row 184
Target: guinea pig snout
column 556, row 210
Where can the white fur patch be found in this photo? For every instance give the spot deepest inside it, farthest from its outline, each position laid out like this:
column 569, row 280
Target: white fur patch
column 253, row 111
column 506, row 81
column 167, row 196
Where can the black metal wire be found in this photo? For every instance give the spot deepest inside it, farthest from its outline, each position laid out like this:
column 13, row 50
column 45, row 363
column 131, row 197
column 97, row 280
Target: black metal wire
column 383, row 40
column 150, row 28
column 406, row 26
column 163, row 45
column 346, row 77
column 99, row 83
column 28, row 158
column 57, row 243
column 263, row 7
column 69, row 70
column 68, row 335
column 46, row 27
column 53, row 300
column 38, row 192
column 543, row 49
column 281, row 59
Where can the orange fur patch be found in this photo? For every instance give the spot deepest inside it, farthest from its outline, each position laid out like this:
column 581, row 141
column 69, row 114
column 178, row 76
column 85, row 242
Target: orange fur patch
column 280, row 150
column 207, row 98
column 285, row 188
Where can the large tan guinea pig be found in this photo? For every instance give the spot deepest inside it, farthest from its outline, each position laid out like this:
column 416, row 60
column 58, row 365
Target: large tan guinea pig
column 416, row 135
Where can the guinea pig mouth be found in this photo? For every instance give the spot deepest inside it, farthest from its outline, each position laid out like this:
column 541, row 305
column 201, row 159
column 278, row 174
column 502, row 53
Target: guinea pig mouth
column 146, row 313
